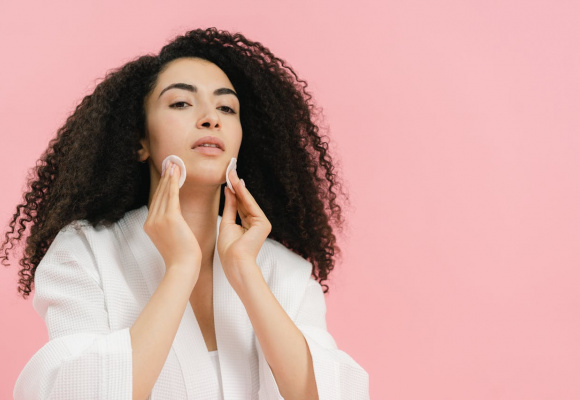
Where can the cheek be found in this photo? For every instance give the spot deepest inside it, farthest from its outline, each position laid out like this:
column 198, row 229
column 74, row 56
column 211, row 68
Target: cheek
column 236, row 144
column 166, row 130
column 166, row 122
column 164, row 141
column 239, row 135
column 162, row 115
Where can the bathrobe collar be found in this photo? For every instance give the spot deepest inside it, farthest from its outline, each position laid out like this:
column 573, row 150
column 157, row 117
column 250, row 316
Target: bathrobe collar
column 233, row 328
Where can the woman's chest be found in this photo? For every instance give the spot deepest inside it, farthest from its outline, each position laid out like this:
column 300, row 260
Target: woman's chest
column 202, row 305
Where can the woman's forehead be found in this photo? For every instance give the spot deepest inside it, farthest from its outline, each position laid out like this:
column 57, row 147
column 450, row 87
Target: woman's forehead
column 193, row 69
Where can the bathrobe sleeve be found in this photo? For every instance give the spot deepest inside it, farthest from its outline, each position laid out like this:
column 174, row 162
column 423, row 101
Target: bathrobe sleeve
column 338, row 376
column 83, row 358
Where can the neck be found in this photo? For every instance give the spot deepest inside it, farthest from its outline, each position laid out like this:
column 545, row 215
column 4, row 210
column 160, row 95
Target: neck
column 199, row 206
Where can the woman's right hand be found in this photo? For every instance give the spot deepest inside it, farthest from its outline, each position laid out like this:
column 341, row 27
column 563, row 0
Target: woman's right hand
column 168, row 230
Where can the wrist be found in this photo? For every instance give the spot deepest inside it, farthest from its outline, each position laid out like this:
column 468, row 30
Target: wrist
column 184, row 273
column 246, row 276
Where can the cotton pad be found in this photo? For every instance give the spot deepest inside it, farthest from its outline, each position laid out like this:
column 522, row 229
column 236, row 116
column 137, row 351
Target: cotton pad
column 177, row 161
column 233, row 165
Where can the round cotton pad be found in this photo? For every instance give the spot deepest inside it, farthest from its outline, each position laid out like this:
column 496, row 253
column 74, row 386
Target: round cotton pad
column 179, row 162
column 233, row 165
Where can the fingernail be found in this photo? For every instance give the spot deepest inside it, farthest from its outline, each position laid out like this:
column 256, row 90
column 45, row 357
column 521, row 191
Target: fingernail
column 243, row 183
column 171, row 170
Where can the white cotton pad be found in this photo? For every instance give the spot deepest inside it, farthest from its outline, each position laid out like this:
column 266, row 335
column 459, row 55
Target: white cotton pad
column 233, row 165
column 177, row 161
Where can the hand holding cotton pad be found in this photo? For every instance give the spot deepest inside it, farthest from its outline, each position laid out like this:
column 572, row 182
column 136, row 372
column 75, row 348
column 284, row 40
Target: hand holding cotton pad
column 233, row 165
column 179, row 162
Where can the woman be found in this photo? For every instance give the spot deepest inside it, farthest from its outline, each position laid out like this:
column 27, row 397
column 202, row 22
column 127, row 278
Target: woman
column 146, row 290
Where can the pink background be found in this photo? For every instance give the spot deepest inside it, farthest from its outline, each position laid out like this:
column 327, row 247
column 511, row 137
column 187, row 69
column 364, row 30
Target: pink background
column 455, row 125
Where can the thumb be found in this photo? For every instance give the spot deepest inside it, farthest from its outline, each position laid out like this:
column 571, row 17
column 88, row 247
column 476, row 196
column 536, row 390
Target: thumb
column 230, row 207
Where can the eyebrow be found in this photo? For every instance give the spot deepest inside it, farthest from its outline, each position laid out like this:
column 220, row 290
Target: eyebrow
column 193, row 89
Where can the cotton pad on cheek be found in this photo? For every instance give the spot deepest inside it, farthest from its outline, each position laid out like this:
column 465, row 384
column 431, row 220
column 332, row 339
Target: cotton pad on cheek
column 233, row 165
column 177, row 161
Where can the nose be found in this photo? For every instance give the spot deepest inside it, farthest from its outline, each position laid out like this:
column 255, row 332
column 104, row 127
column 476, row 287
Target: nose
column 209, row 118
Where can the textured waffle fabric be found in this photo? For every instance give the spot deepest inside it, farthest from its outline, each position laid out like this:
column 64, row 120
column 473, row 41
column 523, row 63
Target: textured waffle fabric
column 93, row 283
column 216, row 365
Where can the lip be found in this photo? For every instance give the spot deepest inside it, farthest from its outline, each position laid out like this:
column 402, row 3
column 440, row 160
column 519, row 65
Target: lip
column 209, row 140
column 208, row 150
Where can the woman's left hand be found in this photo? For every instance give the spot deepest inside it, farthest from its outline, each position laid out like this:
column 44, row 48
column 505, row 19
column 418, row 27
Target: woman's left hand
column 238, row 246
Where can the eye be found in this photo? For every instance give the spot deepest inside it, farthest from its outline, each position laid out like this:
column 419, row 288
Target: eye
column 229, row 108
column 179, row 102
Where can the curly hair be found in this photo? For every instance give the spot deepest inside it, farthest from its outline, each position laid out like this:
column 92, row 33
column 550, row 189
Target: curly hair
column 91, row 170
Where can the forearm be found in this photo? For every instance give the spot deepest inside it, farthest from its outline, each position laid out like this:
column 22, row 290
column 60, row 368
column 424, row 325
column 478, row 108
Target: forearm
column 283, row 344
column 154, row 330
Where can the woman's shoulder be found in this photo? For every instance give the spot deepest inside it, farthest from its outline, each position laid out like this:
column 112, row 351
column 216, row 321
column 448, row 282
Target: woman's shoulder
column 71, row 237
column 282, row 261
column 74, row 236
column 74, row 243
column 287, row 274
column 67, row 259
column 83, row 231
column 280, row 250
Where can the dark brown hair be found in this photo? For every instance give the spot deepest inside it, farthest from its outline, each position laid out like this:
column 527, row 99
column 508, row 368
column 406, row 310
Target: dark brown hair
column 91, row 171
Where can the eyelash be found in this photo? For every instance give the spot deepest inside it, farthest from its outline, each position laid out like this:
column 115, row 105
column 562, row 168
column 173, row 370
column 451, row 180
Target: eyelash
column 183, row 102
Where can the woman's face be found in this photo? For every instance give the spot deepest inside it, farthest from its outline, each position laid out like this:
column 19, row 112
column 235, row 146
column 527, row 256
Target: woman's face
column 178, row 117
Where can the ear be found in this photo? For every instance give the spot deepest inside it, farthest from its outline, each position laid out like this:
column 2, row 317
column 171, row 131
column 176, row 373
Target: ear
column 144, row 150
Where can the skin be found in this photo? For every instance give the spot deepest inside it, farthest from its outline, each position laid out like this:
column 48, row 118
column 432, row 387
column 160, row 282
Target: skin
column 172, row 130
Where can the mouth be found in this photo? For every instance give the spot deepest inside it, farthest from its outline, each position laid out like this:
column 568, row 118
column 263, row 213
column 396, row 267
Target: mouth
column 208, row 150
column 209, row 142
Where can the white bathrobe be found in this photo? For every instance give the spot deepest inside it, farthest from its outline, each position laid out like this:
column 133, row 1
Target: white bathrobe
column 92, row 285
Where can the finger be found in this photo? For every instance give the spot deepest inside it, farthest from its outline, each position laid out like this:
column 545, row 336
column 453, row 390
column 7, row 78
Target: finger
column 248, row 204
column 230, row 207
column 154, row 209
column 245, row 217
column 248, row 220
column 245, row 223
column 244, row 212
column 173, row 196
column 241, row 211
column 163, row 196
